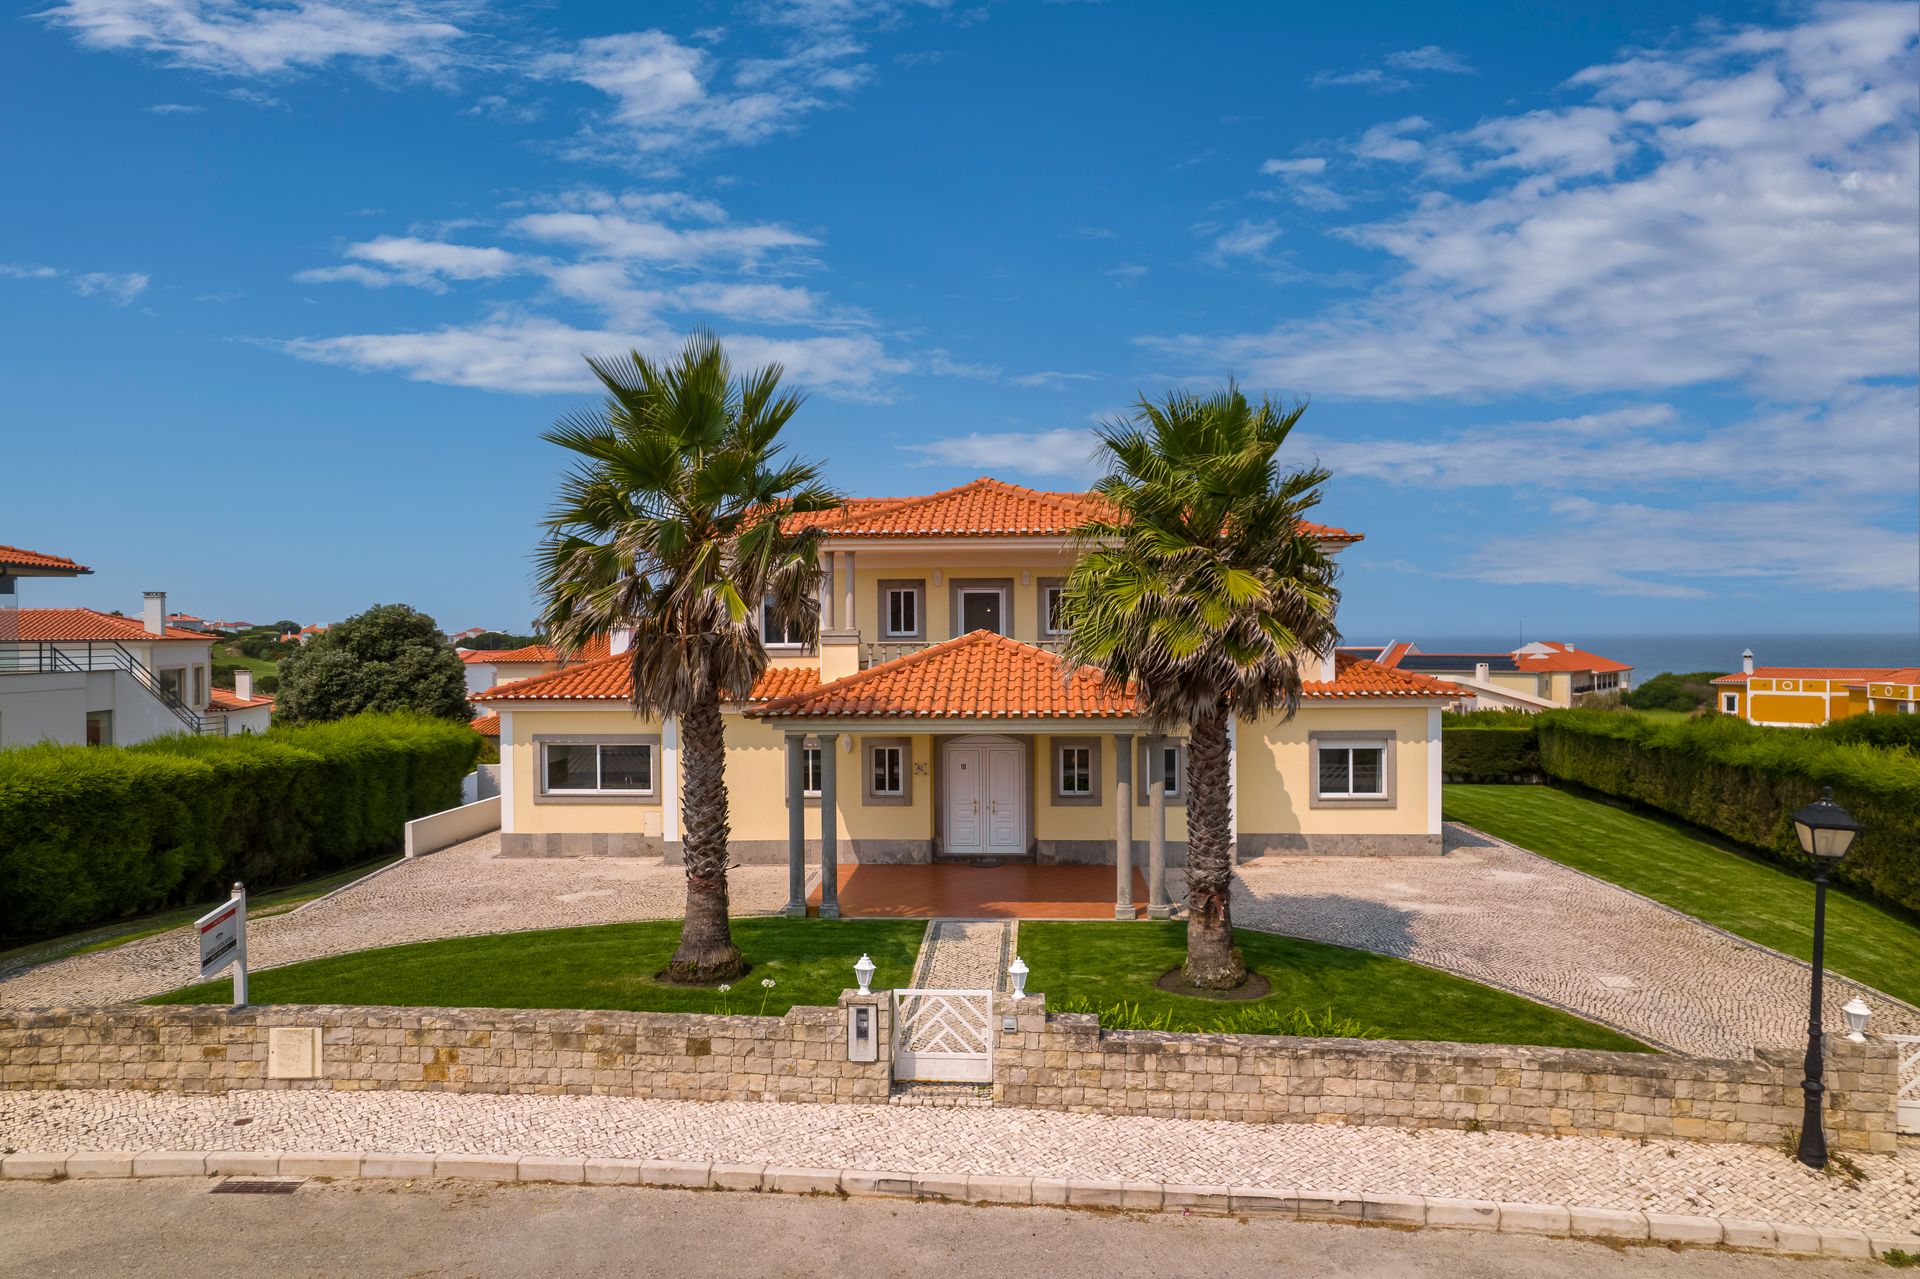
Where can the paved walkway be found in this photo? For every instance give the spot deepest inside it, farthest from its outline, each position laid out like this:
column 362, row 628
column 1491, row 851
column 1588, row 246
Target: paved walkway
column 1656, row 1176
column 966, row 954
column 1510, row 918
column 465, row 890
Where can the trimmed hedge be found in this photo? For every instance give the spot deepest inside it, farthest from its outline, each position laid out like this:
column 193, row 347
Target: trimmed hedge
column 1875, row 730
column 1490, row 754
column 94, row 833
column 1745, row 782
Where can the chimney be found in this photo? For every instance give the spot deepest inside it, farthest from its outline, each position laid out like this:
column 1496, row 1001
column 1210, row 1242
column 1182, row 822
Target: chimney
column 619, row 639
column 1482, row 672
column 1746, row 662
column 153, row 612
column 243, row 683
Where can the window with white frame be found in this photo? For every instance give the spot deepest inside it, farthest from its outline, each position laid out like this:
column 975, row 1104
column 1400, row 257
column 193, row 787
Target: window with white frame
column 1076, row 770
column 597, row 768
column 1730, row 703
column 903, row 612
column 1170, row 769
column 1352, row 770
column 1053, row 597
column 810, row 772
column 888, row 770
column 776, row 633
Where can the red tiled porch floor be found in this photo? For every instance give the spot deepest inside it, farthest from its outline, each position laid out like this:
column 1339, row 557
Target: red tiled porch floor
column 952, row 890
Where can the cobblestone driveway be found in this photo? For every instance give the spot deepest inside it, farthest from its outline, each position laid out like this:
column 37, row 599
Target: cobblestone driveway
column 1510, row 918
column 1606, row 1172
column 463, row 891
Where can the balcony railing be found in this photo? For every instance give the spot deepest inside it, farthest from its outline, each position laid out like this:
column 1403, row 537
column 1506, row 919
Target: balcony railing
column 873, row 653
column 41, row 657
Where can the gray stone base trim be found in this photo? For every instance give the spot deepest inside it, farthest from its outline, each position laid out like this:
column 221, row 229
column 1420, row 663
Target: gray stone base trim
column 599, row 844
column 773, row 852
column 1251, row 846
column 1667, row 1230
column 1099, row 852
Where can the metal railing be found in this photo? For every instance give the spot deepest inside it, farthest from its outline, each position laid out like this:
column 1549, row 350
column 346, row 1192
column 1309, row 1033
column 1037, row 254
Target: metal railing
column 79, row 656
column 873, row 653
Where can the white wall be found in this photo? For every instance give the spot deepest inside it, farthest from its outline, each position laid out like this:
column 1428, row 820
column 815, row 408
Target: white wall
column 441, row 830
column 53, row 708
column 480, row 677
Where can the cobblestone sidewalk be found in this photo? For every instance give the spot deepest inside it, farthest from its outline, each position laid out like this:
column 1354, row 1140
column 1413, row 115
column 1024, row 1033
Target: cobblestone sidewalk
column 1502, row 915
column 465, row 890
column 965, row 954
column 1673, row 1177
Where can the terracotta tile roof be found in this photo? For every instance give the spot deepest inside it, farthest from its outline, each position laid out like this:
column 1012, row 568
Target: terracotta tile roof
column 1355, row 677
column 511, row 656
column 81, row 624
column 225, row 699
column 986, row 507
column 1875, row 674
column 487, row 725
column 977, row 676
column 16, row 557
column 1565, row 657
column 610, row 679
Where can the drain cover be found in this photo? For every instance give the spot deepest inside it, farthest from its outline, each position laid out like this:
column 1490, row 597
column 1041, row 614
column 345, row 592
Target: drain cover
column 258, row 1186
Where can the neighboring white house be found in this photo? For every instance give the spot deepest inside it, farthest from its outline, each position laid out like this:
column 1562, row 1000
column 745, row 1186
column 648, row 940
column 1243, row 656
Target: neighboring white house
column 244, row 711
column 79, row 676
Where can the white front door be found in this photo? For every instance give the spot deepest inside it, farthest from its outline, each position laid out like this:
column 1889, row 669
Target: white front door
column 986, row 800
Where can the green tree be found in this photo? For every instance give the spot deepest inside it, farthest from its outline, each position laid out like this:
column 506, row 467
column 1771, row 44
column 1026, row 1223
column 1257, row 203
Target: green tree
column 389, row 658
column 672, row 521
column 1200, row 585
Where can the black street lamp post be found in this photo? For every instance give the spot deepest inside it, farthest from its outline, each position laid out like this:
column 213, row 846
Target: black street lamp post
column 1826, row 831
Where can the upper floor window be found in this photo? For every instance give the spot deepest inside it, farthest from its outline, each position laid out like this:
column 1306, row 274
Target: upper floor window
column 775, row 633
column 1053, row 597
column 902, row 611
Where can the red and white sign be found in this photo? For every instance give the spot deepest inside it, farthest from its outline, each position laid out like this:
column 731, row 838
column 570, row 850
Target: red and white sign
column 222, row 936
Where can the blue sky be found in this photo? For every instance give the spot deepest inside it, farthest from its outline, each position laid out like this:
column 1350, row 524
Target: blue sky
column 1609, row 315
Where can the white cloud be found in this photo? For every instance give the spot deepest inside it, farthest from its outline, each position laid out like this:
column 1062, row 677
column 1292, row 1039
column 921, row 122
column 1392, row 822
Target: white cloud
column 1308, row 166
column 1761, row 234
column 1300, row 177
column 237, row 39
column 1390, row 141
column 173, row 108
column 410, row 255
column 1066, row 453
column 1429, row 57
column 1245, row 240
column 16, row 271
column 1367, row 78
column 536, row 354
column 117, row 287
column 1052, row 379
column 1126, row 272
column 617, row 235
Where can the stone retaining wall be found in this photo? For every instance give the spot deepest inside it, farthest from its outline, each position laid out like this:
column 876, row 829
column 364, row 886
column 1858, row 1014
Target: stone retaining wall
column 1060, row 1062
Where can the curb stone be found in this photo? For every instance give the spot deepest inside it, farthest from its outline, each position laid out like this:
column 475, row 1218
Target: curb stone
column 1418, row 1211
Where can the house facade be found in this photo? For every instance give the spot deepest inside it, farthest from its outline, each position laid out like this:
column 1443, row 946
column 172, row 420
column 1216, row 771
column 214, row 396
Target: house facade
column 1809, row 696
column 1538, row 676
column 934, row 719
column 487, row 668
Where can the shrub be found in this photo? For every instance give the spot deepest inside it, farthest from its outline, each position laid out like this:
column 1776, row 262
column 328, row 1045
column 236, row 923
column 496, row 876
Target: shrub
column 1875, row 730
column 1256, row 1020
column 1744, row 782
column 1669, row 691
column 1500, row 754
column 93, row 833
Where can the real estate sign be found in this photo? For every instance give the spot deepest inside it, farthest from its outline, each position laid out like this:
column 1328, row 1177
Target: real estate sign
column 223, row 941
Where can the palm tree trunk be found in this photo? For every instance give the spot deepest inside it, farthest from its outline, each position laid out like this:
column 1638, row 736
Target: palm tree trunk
column 1213, row 961
column 706, row 952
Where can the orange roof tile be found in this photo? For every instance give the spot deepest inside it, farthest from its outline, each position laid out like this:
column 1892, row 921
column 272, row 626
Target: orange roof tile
column 1356, row 677
column 1565, row 657
column 487, row 725
column 1863, row 673
column 986, row 507
column 225, row 699
column 512, row 656
column 980, row 675
column 17, row 557
column 610, row 679
column 79, row 625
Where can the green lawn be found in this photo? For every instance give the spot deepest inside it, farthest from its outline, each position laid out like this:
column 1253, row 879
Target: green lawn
column 608, row 967
column 275, row 901
column 1670, row 863
column 1119, row 963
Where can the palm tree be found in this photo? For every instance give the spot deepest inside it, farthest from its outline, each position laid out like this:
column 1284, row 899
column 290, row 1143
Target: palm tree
column 1199, row 584
column 673, row 521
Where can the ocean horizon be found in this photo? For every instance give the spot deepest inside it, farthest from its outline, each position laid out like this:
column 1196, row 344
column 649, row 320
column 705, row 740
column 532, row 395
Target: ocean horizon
column 1655, row 654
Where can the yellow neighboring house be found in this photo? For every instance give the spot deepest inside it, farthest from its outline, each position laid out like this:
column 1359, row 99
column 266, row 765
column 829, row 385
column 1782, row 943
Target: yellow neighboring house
column 935, row 720
column 1809, row 696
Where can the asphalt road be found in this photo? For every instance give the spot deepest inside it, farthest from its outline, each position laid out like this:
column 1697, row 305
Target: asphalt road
column 177, row 1228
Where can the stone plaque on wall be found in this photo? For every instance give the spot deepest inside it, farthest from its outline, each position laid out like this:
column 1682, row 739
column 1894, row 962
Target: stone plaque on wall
column 293, row 1052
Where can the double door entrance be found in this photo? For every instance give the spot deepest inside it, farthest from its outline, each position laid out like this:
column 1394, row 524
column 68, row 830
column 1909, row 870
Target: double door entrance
column 985, row 785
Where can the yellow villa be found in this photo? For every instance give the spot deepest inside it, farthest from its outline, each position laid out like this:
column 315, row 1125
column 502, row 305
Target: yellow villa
column 1809, row 696
column 935, row 721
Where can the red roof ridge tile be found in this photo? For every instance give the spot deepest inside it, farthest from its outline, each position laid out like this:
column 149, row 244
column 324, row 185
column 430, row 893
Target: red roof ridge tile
column 43, row 625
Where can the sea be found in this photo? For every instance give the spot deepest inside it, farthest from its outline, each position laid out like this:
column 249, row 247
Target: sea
column 1651, row 655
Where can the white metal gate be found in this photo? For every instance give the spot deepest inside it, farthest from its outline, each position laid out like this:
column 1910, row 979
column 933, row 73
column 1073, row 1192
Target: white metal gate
column 1906, row 1106
column 943, row 1035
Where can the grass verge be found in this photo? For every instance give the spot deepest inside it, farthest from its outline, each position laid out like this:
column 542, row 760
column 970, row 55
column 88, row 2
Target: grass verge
column 1683, row 868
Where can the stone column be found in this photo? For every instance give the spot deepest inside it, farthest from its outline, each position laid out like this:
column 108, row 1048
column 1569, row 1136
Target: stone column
column 829, row 827
column 826, row 592
column 846, row 620
column 1123, row 825
column 796, row 826
column 1157, row 906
